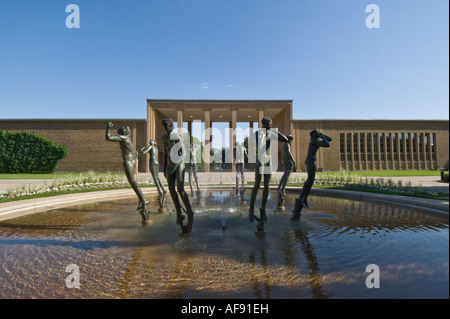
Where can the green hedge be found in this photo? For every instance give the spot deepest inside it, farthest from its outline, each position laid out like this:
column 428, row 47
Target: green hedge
column 26, row 152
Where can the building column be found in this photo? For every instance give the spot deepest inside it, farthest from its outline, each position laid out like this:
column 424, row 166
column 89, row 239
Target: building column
column 372, row 151
column 207, row 148
column 352, row 152
column 385, row 150
column 417, row 152
column 399, row 159
column 150, row 122
column 189, row 123
column 260, row 116
column 430, row 155
column 180, row 121
column 251, row 145
column 189, row 127
column 378, row 135
column 405, row 151
column 411, row 149
column 424, row 153
column 358, row 139
column 233, row 136
column 391, row 146
column 345, row 152
column 366, row 159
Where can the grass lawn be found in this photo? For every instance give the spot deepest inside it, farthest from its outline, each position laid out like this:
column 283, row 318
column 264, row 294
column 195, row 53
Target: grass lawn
column 358, row 173
column 392, row 173
column 49, row 176
column 63, row 183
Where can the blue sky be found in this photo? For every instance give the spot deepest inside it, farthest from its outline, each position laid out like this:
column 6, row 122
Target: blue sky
column 317, row 52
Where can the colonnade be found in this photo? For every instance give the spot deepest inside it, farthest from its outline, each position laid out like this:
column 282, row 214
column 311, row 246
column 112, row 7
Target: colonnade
column 153, row 128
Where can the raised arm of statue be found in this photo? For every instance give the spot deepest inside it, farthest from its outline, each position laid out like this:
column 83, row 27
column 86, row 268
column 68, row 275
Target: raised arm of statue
column 282, row 138
column 145, row 149
column 109, row 136
column 322, row 141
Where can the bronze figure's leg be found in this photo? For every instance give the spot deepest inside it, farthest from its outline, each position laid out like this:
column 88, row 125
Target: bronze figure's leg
column 189, row 171
column 171, row 181
column 129, row 172
column 159, row 186
column 237, row 181
column 267, row 178
column 185, row 198
column 302, row 201
column 194, row 169
column 308, row 184
column 254, row 193
column 281, row 188
column 242, row 179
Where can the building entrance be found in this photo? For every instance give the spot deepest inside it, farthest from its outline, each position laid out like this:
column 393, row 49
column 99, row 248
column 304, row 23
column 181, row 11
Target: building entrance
column 212, row 117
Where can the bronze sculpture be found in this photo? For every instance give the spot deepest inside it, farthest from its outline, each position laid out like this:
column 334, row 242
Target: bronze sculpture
column 289, row 166
column 263, row 169
column 240, row 152
column 317, row 140
column 152, row 149
column 191, row 168
column 174, row 153
column 129, row 163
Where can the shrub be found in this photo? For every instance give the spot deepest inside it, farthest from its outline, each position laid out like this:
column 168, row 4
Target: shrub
column 26, row 152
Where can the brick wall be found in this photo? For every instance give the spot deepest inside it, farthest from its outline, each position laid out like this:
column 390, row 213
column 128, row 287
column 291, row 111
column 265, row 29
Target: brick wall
column 330, row 158
column 88, row 149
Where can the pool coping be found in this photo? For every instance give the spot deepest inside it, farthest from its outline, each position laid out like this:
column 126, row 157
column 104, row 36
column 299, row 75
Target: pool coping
column 24, row 207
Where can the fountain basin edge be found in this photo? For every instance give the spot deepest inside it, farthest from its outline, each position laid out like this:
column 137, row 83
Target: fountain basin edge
column 24, row 207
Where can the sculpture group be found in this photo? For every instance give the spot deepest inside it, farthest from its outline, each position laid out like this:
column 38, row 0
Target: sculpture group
column 174, row 167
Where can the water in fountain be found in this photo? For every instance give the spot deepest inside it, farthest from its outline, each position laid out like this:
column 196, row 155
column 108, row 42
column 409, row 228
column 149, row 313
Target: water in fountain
column 324, row 255
column 219, row 206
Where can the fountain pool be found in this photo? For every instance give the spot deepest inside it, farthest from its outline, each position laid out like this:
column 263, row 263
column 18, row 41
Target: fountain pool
column 325, row 255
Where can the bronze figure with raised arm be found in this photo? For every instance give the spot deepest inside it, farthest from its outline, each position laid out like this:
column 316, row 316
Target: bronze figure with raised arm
column 240, row 152
column 129, row 163
column 289, row 166
column 174, row 153
column 152, row 149
column 191, row 167
column 264, row 168
column 316, row 141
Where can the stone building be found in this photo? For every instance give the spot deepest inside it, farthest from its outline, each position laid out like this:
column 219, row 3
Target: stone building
column 356, row 145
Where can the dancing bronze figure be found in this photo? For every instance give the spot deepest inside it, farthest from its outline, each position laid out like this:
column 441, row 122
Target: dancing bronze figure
column 152, row 149
column 289, row 166
column 174, row 153
column 129, row 163
column 263, row 169
column 191, row 168
column 240, row 152
column 316, row 141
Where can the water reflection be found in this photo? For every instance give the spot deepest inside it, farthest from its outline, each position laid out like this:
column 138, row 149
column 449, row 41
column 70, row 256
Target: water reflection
column 323, row 256
column 313, row 264
column 374, row 217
